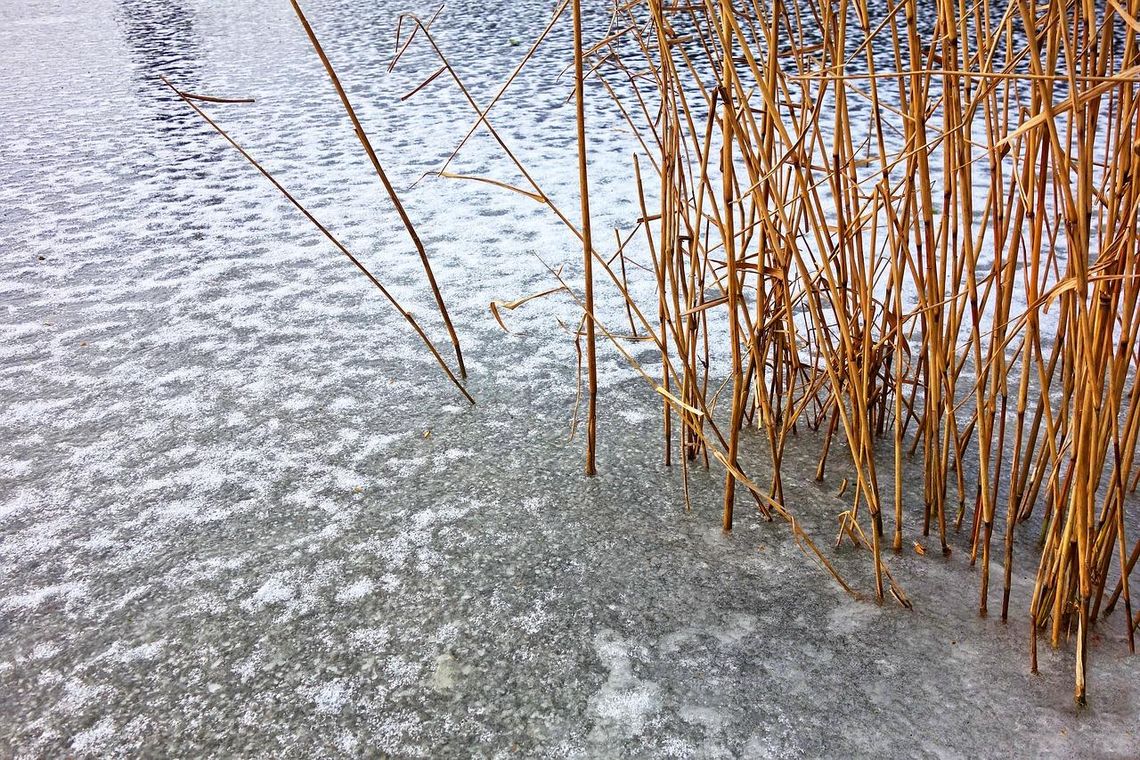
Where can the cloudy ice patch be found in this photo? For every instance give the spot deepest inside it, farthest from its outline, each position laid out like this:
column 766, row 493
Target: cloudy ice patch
column 852, row 616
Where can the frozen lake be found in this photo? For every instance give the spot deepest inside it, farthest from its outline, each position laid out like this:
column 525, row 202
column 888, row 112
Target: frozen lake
column 241, row 511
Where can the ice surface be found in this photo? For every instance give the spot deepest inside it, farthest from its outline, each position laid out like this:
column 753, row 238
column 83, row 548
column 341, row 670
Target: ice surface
column 225, row 530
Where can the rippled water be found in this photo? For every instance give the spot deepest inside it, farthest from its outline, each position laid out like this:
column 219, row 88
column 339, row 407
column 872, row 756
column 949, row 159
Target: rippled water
column 242, row 511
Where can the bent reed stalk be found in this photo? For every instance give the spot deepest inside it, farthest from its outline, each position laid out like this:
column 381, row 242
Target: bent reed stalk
column 190, row 100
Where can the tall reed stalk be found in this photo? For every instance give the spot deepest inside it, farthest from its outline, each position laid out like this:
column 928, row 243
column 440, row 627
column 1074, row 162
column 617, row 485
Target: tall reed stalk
column 587, row 246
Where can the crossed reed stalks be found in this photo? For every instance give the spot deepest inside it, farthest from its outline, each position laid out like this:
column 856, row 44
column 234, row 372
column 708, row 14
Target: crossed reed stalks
column 919, row 226
column 910, row 224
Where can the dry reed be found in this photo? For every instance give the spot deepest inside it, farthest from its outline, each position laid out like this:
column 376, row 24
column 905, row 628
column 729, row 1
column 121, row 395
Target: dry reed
column 952, row 276
column 914, row 226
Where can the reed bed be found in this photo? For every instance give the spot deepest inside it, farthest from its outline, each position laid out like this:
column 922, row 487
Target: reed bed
column 950, row 275
column 909, row 226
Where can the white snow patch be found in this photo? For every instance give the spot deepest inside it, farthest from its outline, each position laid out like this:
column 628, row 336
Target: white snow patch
column 33, row 599
column 94, row 737
column 370, row 638
column 141, row 652
column 44, row 650
column 356, row 591
column 329, row 698
column 625, row 704
column 273, row 591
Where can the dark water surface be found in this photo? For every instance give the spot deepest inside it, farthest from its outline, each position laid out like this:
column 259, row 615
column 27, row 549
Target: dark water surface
column 242, row 513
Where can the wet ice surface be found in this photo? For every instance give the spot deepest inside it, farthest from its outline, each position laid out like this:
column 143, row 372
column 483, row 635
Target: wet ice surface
column 242, row 512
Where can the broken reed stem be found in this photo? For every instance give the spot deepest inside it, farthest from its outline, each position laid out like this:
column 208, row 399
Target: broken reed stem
column 587, row 246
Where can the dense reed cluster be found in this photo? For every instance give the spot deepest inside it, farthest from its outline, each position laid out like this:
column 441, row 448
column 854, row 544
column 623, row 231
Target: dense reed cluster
column 920, row 225
column 912, row 225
